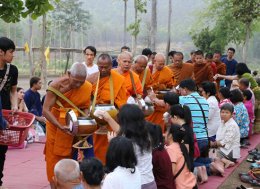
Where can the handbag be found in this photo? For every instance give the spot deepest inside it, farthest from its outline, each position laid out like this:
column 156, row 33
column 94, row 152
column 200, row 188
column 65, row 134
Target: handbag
column 3, row 82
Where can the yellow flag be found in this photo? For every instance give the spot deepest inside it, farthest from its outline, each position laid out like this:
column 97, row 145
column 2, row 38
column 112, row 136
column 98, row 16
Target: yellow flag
column 26, row 48
column 47, row 55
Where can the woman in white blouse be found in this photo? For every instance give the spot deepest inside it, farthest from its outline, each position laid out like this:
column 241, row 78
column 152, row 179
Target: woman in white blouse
column 228, row 137
column 208, row 91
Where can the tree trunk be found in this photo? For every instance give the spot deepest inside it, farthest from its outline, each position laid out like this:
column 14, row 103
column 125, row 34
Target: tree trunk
column 153, row 24
column 135, row 35
column 43, row 61
column 245, row 47
column 169, row 31
column 125, row 13
column 31, row 63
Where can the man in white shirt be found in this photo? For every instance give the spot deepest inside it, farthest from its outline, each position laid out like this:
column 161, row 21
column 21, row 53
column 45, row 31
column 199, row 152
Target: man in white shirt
column 90, row 54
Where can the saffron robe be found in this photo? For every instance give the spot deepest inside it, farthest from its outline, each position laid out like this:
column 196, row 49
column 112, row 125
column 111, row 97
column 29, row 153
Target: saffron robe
column 148, row 80
column 221, row 69
column 202, row 72
column 103, row 97
column 59, row 144
column 182, row 72
column 162, row 79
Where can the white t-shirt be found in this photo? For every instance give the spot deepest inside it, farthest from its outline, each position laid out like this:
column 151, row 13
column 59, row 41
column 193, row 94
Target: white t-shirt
column 214, row 116
column 91, row 70
column 122, row 178
column 144, row 164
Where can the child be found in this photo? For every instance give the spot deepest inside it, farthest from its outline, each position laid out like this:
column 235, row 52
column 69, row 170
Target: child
column 202, row 70
column 227, row 137
column 247, row 94
column 161, row 161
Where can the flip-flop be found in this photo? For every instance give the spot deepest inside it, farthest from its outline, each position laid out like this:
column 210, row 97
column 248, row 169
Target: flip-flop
column 255, row 150
column 254, row 183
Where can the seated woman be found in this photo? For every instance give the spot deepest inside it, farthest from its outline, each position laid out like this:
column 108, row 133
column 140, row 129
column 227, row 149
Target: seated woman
column 208, row 91
column 161, row 161
column 92, row 173
column 21, row 104
column 228, row 137
column 181, row 166
column 241, row 115
column 223, row 95
column 121, row 164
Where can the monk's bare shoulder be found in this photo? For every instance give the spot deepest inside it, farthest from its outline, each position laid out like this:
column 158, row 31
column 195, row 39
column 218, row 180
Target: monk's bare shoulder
column 93, row 78
column 61, row 84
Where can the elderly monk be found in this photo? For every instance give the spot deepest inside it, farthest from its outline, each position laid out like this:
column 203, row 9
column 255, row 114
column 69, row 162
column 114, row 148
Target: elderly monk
column 145, row 76
column 162, row 79
column 59, row 140
column 202, row 70
column 180, row 70
column 124, row 65
column 221, row 67
column 119, row 97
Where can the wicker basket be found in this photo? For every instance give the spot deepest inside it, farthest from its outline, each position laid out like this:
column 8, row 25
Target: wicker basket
column 20, row 123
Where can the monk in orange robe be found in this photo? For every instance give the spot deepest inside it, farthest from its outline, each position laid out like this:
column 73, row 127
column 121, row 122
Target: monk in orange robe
column 162, row 79
column 124, row 65
column 202, row 70
column 58, row 139
column 180, row 70
column 221, row 67
column 104, row 63
column 145, row 76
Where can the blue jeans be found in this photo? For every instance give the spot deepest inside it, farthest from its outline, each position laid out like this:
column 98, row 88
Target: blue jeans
column 203, row 162
column 203, row 147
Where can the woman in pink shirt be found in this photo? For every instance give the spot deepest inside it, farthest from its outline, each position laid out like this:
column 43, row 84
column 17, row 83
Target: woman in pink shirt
column 223, row 95
column 181, row 166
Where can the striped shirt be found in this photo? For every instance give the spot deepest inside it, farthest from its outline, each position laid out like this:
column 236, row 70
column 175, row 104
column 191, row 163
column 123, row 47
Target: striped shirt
column 199, row 127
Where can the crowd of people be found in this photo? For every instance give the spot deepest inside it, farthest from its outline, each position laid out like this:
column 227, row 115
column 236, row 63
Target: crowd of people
column 208, row 102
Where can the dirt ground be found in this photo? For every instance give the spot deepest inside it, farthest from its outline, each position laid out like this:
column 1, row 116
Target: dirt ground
column 233, row 180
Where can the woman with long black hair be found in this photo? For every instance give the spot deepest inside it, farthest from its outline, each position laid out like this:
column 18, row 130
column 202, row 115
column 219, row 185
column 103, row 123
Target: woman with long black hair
column 181, row 164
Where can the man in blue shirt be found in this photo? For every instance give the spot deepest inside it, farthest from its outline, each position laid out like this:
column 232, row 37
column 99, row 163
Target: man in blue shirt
column 230, row 64
column 32, row 99
column 199, row 111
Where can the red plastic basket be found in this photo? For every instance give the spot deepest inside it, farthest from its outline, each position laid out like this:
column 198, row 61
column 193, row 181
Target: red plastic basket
column 20, row 123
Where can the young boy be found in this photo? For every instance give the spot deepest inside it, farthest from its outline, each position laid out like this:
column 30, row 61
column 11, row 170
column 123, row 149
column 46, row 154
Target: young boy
column 228, row 137
column 202, row 69
column 8, row 86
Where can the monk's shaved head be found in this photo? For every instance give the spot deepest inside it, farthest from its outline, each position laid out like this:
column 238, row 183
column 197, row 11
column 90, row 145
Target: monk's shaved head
column 139, row 58
column 124, row 61
column 67, row 170
column 78, row 70
column 159, row 61
column 105, row 57
column 125, row 54
column 141, row 62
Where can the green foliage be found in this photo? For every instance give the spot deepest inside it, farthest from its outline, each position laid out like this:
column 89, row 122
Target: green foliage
column 227, row 21
column 206, row 41
column 71, row 15
column 12, row 10
column 140, row 6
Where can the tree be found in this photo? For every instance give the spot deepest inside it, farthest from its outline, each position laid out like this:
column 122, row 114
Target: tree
column 153, row 24
column 232, row 22
column 125, row 14
column 72, row 19
column 246, row 12
column 140, row 7
column 169, row 29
